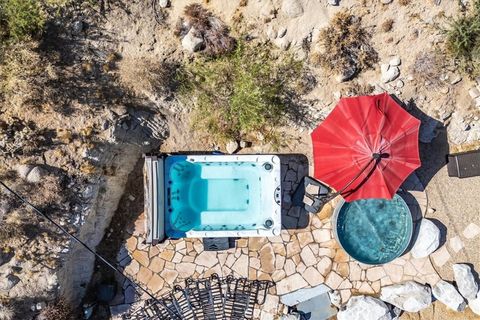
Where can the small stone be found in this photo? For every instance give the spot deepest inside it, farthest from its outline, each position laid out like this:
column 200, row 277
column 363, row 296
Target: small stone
column 448, row 295
column 192, row 43
column 282, row 32
column 474, row 92
column 243, row 144
column 77, row 27
column 389, row 73
column 163, row 3
column 471, row 231
column 474, row 305
column 395, row 61
column 456, row 79
column 271, row 33
column 465, row 280
column 399, row 84
column 231, row 146
column 282, row 43
column 23, row 170
column 8, row 282
column 322, row 235
column 335, row 298
column 292, row 8
column 324, row 266
column 386, row 1
column 333, row 2
column 37, row 174
column 308, row 257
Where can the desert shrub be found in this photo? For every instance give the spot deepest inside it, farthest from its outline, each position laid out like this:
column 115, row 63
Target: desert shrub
column 21, row 19
column 404, row 2
column 428, row 67
column 58, row 310
column 207, row 26
column 345, row 45
column 145, row 76
column 243, row 93
column 463, row 40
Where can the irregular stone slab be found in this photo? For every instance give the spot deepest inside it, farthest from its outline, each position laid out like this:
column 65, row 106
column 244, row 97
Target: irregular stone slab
column 471, row 231
column 301, row 295
column 456, row 244
column 409, row 296
column 291, row 283
column 466, row 283
column 428, row 239
column 365, row 308
column 441, row 256
column 448, row 295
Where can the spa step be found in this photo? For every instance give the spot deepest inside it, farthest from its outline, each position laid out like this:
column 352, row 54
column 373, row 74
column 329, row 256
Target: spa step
column 218, row 244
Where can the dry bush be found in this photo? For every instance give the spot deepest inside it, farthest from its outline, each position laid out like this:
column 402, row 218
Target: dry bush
column 144, row 76
column 58, row 310
column 387, row 25
column 345, row 45
column 404, row 2
column 357, row 89
column 208, row 27
column 6, row 312
column 428, row 67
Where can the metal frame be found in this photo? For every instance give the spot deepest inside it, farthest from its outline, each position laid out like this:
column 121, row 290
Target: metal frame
column 211, row 298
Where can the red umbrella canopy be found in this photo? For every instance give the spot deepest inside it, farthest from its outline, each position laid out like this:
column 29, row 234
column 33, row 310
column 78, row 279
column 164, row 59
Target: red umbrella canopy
column 367, row 145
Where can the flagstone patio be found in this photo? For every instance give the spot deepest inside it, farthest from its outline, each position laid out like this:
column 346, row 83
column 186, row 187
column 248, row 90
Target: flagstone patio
column 298, row 258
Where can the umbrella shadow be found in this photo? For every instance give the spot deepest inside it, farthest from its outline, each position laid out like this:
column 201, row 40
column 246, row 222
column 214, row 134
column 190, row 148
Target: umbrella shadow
column 433, row 145
column 294, row 167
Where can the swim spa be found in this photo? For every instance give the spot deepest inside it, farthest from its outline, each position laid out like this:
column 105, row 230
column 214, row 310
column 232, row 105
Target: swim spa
column 212, row 196
column 373, row 231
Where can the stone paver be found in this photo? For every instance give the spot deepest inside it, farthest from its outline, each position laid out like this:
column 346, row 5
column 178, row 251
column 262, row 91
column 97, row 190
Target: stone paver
column 296, row 259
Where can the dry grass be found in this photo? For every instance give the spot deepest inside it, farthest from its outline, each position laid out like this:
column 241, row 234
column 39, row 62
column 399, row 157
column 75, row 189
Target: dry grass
column 404, row 2
column 58, row 310
column 357, row 89
column 428, row 67
column 208, row 27
column 145, row 76
column 387, row 25
column 345, row 45
column 6, row 312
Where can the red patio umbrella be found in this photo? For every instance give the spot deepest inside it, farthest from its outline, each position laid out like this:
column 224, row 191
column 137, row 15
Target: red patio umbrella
column 366, row 147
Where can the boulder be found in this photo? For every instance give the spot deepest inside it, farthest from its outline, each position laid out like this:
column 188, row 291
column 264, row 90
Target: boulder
column 428, row 239
column 395, row 61
column 191, row 42
column 164, row 3
column 292, row 8
column 365, row 308
column 333, row 2
column 474, row 304
column 23, row 170
column 448, row 295
column 409, row 296
column 466, row 283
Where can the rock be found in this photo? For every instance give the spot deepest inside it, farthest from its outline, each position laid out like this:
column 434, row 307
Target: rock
column 409, row 296
column 399, row 84
column 271, row 33
column 474, row 304
column 244, row 144
column 282, row 43
column 164, row 3
column 466, row 283
column 77, row 27
column 395, row 61
column 364, row 308
column 333, row 2
column 37, row 174
column 291, row 316
column 474, row 93
column 428, row 239
column 192, row 43
column 389, row 73
column 448, row 295
column 386, row 1
column 456, row 79
column 282, row 32
column 347, row 74
column 23, row 170
column 8, row 282
column 231, row 146
column 292, row 8
column 335, row 298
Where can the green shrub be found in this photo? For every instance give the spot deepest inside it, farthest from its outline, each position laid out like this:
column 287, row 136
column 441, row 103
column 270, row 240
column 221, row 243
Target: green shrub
column 243, row 94
column 463, row 40
column 21, row 19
